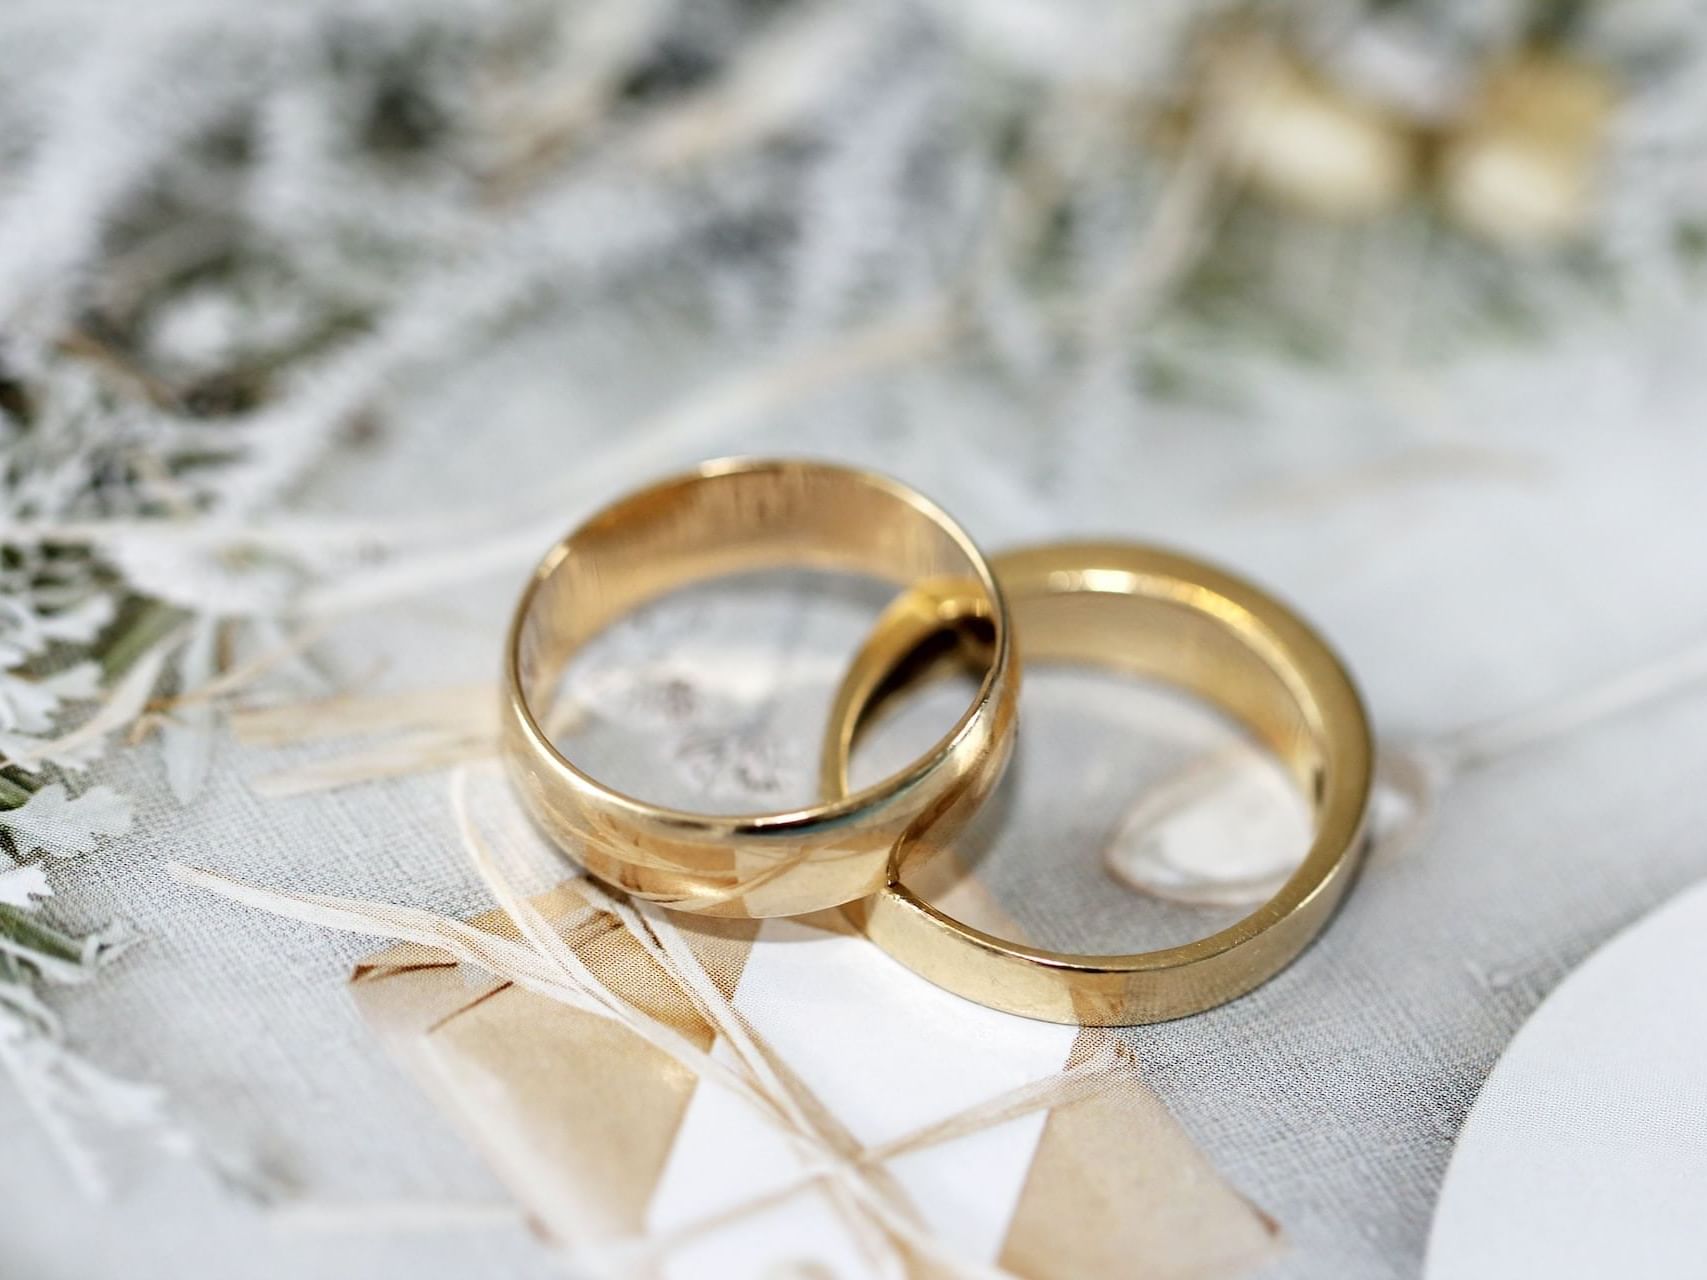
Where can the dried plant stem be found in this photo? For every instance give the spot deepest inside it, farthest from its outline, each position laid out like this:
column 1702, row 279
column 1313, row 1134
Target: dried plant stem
column 120, row 368
column 1642, row 686
column 541, row 960
column 236, row 678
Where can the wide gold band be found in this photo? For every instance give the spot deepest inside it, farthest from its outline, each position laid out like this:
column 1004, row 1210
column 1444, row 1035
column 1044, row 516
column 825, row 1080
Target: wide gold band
column 1155, row 614
column 724, row 518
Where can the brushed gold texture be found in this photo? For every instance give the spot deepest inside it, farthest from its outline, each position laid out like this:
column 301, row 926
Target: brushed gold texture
column 728, row 517
column 1154, row 614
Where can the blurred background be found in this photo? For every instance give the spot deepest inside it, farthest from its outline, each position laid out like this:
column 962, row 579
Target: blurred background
column 319, row 322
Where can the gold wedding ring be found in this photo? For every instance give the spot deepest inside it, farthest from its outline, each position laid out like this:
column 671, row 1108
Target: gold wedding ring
column 725, row 518
column 1154, row 614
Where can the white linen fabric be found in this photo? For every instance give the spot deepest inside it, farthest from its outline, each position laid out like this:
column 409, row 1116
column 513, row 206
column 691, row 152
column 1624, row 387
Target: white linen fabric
column 1522, row 530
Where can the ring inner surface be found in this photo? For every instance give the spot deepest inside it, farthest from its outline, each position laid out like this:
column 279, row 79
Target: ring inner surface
column 1205, row 645
column 710, row 526
column 1160, row 628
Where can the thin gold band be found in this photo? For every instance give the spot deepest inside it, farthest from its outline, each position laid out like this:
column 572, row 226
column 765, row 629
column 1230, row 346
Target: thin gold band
column 724, row 518
column 1156, row 614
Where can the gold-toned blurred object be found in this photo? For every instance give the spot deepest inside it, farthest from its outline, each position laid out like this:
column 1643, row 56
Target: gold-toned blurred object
column 1520, row 168
column 1297, row 140
column 1158, row 614
column 725, row 518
